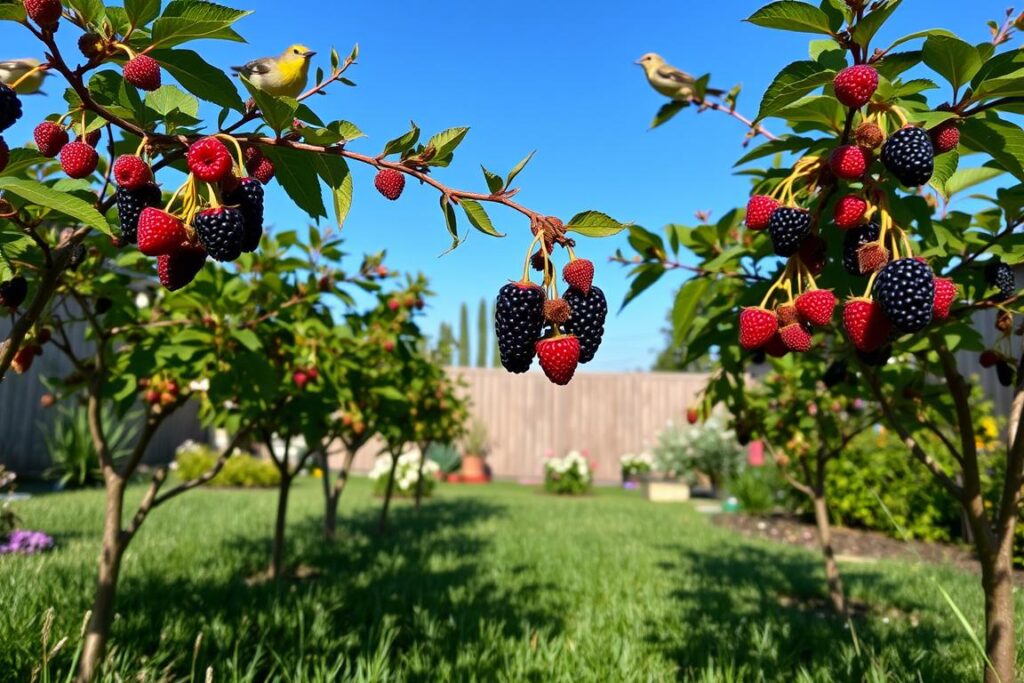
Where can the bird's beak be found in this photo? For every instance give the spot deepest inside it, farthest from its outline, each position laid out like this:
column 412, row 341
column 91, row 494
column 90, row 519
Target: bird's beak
column 639, row 62
column 308, row 53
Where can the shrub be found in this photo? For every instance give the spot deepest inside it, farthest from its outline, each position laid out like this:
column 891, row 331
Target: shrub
column 761, row 490
column 407, row 474
column 709, row 448
column 636, row 465
column 75, row 462
column 446, row 456
column 240, row 470
column 571, row 475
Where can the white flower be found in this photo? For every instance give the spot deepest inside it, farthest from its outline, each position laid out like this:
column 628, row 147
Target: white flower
column 199, row 385
column 141, row 300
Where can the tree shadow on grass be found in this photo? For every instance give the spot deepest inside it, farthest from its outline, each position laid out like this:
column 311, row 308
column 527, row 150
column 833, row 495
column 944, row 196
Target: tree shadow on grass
column 765, row 610
column 421, row 584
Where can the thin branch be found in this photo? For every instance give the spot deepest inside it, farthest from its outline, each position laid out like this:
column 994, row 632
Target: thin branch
column 755, row 128
column 205, row 476
column 148, row 502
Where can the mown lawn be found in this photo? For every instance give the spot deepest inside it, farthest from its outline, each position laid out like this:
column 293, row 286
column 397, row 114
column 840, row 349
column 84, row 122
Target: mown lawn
column 484, row 583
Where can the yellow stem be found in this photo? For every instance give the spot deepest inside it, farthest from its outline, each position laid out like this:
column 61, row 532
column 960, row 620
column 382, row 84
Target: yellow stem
column 127, row 50
column 529, row 253
column 238, row 151
column 14, row 86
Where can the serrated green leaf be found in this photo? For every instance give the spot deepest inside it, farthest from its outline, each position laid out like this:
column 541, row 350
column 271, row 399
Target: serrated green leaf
column 41, row 195
column 185, row 20
column 517, row 169
column 687, row 303
column 667, row 111
column 450, row 220
column 199, row 77
column 867, row 27
column 21, row 160
column 951, row 58
column 494, row 181
column 334, row 170
column 1001, row 76
column 1002, row 140
column 966, row 178
column 404, row 142
column 278, row 112
column 945, row 166
column 478, row 217
column 790, row 15
column 91, row 10
column 169, row 98
column 792, row 83
column 141, row 12
column 298, row 177
column 445, row 142
column 594, row 224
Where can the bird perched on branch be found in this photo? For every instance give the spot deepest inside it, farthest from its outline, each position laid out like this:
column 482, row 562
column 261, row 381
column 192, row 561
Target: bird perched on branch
column 282, row 76
column 14, row 70
column 670, row 81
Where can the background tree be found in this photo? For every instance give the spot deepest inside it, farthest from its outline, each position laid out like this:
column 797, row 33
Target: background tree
column 484, row 325
column 463, row 335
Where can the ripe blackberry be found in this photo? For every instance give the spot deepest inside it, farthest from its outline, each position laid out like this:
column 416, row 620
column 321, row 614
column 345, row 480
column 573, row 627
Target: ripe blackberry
column 909, row 155
column 13, row 292
column 249, row 198
column 587, row 319
column 905, row 289
column 10, row 107
column 220, row 231
column 835, row 374
column 1000, row 275
column 788, row 227
column 518, row 319
column 876, row 358
column 78, row 255
column 1005, row 373
column 130, row 204
column 855, row 239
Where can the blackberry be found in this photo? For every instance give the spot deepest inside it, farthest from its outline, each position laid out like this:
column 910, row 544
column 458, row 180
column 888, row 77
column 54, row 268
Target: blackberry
column 10, row 107
column 788, row 227
column 909, row 155
column 587, row 319
column 221, row 232
column 13, row 292
column 876, row 358
column 1000, row 275
column 1004, row 372
column 103, row 304
column 758, row 357
column 905, row 289
column 518, row 319
column 248, row 196
column 854, row 240
column 835, row 374
column 130, row 204
column 77, row 256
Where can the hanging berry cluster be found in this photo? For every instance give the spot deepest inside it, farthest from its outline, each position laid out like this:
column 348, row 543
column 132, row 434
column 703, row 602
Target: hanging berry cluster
column 533, row 320
column 902, row 295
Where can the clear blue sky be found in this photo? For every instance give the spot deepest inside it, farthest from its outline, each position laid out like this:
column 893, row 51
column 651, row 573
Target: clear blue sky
column 557, row 77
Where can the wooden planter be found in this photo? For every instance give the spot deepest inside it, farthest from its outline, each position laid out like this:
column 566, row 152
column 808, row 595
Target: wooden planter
column 667, row 491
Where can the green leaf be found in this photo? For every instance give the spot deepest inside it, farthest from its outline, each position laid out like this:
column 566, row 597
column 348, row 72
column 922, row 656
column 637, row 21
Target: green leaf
column 185, row 20
column 867, row 27
column 921, row 34
column 684, row 310
column 1001, row 76
column 781, row 146
column 945, row 166
column 478, row 217
column 21, row 160
column 951, row 58
column 334, row 170
column 199, row 77
column 247, row 338
column 91, row 10
column 41, row 195
column 450, row 220
column 789, row 15
column 517, row 169
column 1002, row 140
column 646, row 275
column 445, row 142
column 667, row 111
column 895, row 63
column 278, row 112
column 494, row 181
column 966, row 178
column 168, row 98
column 403, row 143
column 594, row 224
column 792, row 83
column 141, row 12
column 298, row 177
column 12, row 12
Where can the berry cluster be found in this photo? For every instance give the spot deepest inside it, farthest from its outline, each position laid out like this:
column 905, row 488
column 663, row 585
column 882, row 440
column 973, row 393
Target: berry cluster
column 562, row 332
column 903, row 295
column 160, row 391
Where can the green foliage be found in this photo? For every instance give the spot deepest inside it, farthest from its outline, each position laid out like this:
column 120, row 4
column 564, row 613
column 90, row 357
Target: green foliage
column 446, row 456
column 476, row 441
column 570, row 475
column 74, row 460
column 464, row 335
column 483, row 329
column 241, row 470
column 761, row 490
column 709, row 449
column 412, row 472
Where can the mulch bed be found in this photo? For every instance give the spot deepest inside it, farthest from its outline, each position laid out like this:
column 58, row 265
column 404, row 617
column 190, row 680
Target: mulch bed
column 852, row 545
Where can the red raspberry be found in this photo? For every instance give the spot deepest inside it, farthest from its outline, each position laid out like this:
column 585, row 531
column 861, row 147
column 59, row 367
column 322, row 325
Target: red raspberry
column 50, row 138
column 389, row 183
column 559, row 357
column 786, row 314
column 143, row 72
column 855, row 85
column 849, row 212
column 209, row 160
column 5, row 154
column 579, row 273
column 160, row 233
column 78, row 159
column 757, row 326
column 131, row 172
column 849, row 162
column 46, row 13
column 945, row 294
column 759, row 210
column 945, row 137
column 816, row 306
column 866, row 324
column 796, row 337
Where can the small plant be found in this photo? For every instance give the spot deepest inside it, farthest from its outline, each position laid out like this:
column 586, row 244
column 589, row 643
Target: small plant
column 760, row 490
column 709, row 449
column 241, row 470
column 476, row 442
column 636, row 465
column 69, row 443
column 8, row 520
column 571, row 475
column 446, row 456
column 407, row 474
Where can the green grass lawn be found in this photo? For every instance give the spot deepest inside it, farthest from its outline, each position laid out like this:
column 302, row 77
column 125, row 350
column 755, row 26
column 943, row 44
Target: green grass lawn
column 485, row 583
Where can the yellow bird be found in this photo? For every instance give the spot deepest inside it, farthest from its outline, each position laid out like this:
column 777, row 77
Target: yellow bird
column 13, row 70
column 282, row 76
column 668, row 80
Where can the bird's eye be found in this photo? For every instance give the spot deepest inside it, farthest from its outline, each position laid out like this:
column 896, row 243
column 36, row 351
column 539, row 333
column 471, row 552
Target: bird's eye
column 295, row 51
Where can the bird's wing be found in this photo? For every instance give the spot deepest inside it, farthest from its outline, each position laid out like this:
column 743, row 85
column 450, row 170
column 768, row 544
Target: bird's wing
column 673, row 74
column 256, row 67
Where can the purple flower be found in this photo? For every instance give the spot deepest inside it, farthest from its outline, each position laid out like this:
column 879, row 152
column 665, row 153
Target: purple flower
column 26, row 542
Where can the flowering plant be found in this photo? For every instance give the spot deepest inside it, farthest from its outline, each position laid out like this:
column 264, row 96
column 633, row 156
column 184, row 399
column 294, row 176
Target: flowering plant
column 571, row 475
column 26, row 542
column 633, row 465
column 407, row 473
column 709, row 448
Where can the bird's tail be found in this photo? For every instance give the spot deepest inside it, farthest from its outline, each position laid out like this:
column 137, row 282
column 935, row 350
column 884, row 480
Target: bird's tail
column 716, row 92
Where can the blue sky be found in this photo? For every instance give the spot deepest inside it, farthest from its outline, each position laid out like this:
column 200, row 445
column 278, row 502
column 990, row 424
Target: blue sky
column 557, row 77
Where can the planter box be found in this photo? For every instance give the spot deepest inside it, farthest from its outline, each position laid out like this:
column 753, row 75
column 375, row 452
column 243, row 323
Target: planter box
column 667, row 492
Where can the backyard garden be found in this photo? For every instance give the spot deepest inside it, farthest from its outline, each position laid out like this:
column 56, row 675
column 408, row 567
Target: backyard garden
column 231, row 450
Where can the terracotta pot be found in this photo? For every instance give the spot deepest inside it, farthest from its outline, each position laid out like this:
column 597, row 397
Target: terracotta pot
column 473, row 469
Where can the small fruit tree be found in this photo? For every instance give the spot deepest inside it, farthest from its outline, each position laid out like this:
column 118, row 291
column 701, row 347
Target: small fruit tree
column 859, row 206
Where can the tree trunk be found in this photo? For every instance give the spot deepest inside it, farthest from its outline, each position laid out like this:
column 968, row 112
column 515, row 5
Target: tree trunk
column 332, row 494
column 997, row 582
column 383, row 521
column 419, row 477
column 276, row 568
column 836, row 594
column 97, row 632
